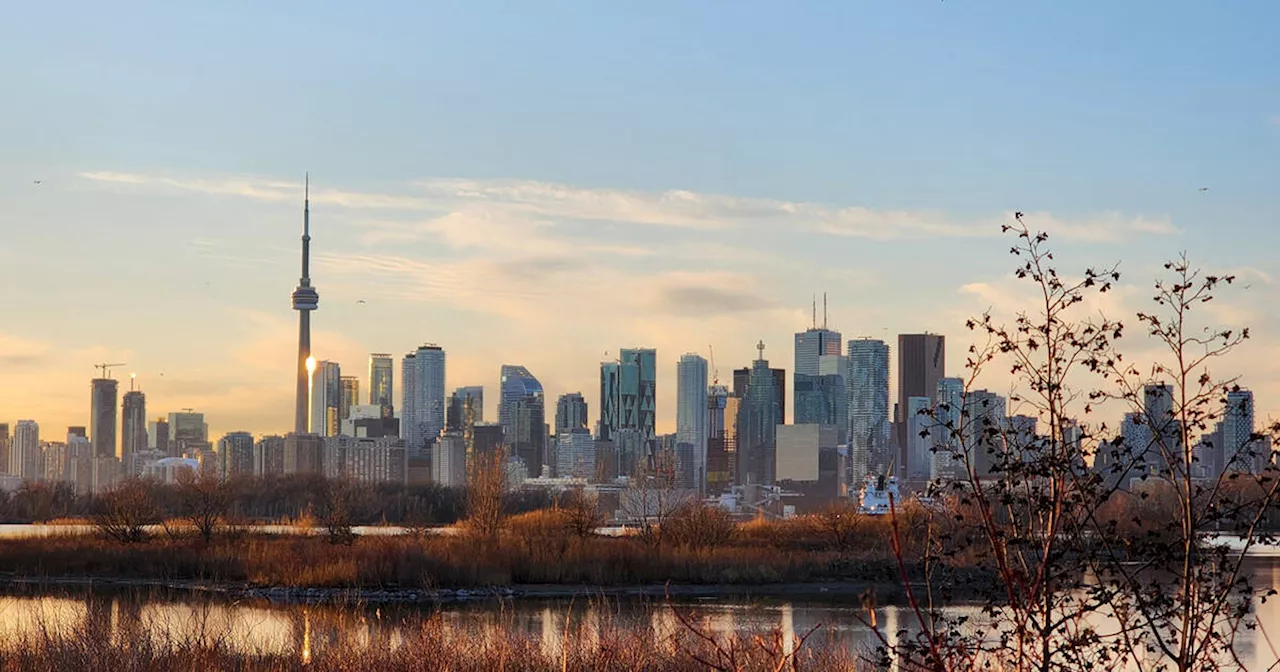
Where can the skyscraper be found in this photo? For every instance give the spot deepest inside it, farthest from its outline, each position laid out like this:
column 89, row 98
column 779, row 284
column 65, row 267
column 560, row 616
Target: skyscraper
column 5, row 447
column 24, row 457
column 867, row 385
column 571, row 413
column 822, row 398
column 423, row 413
column 158, row 435
column 235, row 455
column 188, row 433
column 947, row 462
column 382, row 382
column 522, row 415
column 102, row 417
column 758, row 418
column 350, row 397
column 691, row 412
column 305, row 300
column 1240, row 450
column 611, row 402
column 133, row 425
column 922, row 360
column 464, row 401
column 326, row 398
column 644, row 393
column 812, row 345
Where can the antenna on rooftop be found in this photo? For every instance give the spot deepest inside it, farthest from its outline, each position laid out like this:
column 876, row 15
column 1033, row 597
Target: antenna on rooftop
column 824, row 310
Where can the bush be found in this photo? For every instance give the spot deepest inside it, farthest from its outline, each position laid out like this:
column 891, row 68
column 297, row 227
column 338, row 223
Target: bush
column 698, row 526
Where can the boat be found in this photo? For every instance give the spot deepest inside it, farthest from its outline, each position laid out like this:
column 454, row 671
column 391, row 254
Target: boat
column 876, row 493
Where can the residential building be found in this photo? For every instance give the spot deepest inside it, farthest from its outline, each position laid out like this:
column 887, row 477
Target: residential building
column 350, row 397
column 382, row 383
column 236, row 455
column 326, row 399
column 691, row 416
column 24, row 456
column 575, row 454
column 571, row 413
column 102, row 417
column 867, row 389
column 268, row 456
column 466, row 404
column 449, row 460
column 133, row 425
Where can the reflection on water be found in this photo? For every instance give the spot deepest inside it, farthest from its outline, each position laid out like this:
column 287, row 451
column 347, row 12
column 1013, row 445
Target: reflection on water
column 305, row 631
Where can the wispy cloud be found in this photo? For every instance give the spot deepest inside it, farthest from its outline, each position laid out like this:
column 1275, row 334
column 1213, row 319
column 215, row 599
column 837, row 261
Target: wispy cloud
column 494, row 206
column 18, row 351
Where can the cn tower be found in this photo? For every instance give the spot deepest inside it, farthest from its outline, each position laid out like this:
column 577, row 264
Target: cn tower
column 305, row 300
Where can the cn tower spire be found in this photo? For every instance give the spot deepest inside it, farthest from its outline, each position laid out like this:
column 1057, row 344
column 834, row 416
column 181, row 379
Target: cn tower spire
column 305, row 300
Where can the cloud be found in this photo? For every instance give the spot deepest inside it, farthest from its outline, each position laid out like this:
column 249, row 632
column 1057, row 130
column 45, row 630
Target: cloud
column 473, row 211
column 17, row 351
column 706, row 294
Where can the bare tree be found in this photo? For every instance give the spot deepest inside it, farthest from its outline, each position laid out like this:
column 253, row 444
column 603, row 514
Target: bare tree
column 125, row 512
column 582, row 515
column 336, row 511
column 202, row 500
column 486, row 485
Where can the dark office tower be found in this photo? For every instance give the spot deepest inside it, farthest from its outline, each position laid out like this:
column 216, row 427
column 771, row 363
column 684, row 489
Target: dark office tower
column 571, row 413
column 645, row 390
column 77, row 430
column 133, row 425
column 158, row 435
column 382, row 383
column 530, row 444
column 922, row 360
column 759, row 415
column 5, row 446
column 305, row 299
column 742, row 378
column 102, row 417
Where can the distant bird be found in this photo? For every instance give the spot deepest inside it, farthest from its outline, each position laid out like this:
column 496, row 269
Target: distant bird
column 1204, row 188
column 38, row 181
column 360, row 301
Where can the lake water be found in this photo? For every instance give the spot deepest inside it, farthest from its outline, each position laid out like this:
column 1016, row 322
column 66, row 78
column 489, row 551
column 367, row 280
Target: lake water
column 306, row 631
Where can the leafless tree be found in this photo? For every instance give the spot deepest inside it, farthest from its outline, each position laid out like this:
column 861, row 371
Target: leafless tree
column 126, row 511
column 202, row 500
column 486, row 486
column 582, row 515
column 336, row 510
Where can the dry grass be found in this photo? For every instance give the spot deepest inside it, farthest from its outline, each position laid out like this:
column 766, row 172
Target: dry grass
column 428, row 645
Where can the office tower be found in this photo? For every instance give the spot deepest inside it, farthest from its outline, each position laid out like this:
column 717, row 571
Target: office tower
column 515, row 384
column 575, row 454
column 1241, row 450
column 691, row 413
column 485, row 438
column 350, row 386
column 236, row 455
column 922, row 360
column 986, row 419
column 758, row 420
column 466, row 405
column 188, row 433
column 742, row 379
column 158, row 435
column 1163, row 436
column 326, row 398
column 24, row 457
column 382, row 382
column 102, row 417
column 409, row 401
column 133, row 425
column 867, row 385
column 822, row 398
column 305, row 299
column 571, row 413
column 611, row 376
column 919, row 435
column 812, row 345
column 5, row 447
column 530, row 444
column 268, row 456
column 423, row 414
column 645, row 410
column 947, row 461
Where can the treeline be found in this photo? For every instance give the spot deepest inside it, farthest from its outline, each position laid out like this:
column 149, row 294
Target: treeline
column 269, row 499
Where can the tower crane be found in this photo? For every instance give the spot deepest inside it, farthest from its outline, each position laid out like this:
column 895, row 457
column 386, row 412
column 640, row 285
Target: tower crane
column 715, row 373
column 106, row 368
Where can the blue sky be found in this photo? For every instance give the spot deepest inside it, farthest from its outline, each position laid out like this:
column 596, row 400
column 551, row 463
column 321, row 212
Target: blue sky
column 538, row 183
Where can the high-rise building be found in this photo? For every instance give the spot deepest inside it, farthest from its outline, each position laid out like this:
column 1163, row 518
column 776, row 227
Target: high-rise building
column 102, row 417
column 611, row 401
column 822, row 398
column 326, row 398
column 742, row 379
column 691, row 414
column 867, row 385
column 133, row 425
column 188, row 433
column 571, row 413
column 515, row 384
column 236, row 455
column 920, row 430
column 575, row 454
column 946, row 439
column 722, row 447
column 922, row 362
column 268, row 456
column 986, row 418
column 812, row 344
column 758, row 420
column 1241, row 450
column 350, row 397
column 158, row 435
column 382, row 382
column 305, row 299
column 24, row 457
column 466, row 405
column 409, row 402
column 5, row 447
column 449, row 460
column 645, row 391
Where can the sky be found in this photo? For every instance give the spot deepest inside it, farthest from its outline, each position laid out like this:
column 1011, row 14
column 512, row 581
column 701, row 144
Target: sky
column 547, row 183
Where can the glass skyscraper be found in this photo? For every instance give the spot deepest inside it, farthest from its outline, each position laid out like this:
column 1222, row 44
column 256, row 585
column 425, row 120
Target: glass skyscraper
column 758, row 418
column 867, row 385
column 691, row 413
column 382, row 383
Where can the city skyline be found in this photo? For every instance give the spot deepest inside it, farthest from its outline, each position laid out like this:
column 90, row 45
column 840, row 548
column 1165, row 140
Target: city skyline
column 676, row 207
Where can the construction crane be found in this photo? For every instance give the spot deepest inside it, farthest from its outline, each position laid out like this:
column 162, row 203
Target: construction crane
column 715, row 373
column 106, row 368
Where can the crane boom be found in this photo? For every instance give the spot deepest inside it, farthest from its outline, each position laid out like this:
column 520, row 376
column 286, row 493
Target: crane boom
column 106, row 368
column 715, row 373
